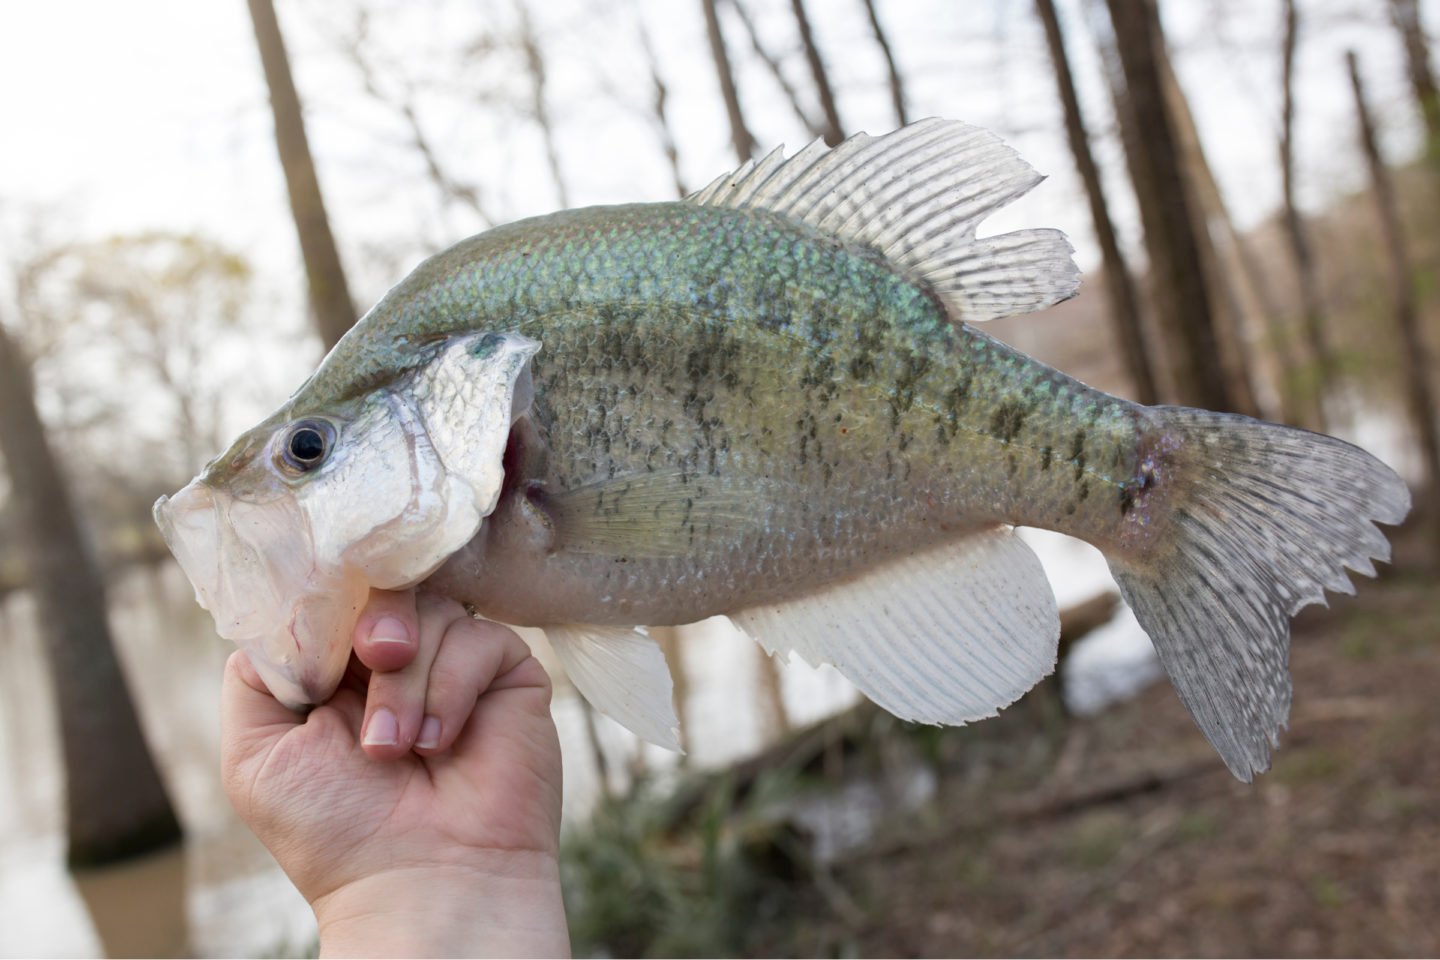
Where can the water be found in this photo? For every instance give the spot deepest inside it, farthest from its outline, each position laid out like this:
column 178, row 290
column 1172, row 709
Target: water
column 223, row 895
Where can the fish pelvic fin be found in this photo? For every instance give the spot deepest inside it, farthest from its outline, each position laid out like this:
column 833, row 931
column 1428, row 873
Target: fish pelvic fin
column 1260, row 521
column 917, row 196
column 947, row 635
column 622, row 672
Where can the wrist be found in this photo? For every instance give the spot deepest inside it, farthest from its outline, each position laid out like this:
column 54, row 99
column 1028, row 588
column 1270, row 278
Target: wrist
column 508, row 905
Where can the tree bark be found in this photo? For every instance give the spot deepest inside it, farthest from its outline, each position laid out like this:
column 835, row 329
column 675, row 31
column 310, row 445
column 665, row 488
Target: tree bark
column 1406, row 16
column 1232, row 308
column 1312, row 312
column 740, row 136
column 325, row 275
column 1173, row 233
column 115, row 803
column 1124, row 300
column 897, row 84
column 834, row 129
column 1415, row 361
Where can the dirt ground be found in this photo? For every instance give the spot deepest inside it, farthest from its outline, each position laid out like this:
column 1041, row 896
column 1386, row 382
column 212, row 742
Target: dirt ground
column 1123, row 834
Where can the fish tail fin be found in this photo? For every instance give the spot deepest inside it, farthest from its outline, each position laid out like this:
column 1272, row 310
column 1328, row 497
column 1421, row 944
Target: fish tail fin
column 1248, row 522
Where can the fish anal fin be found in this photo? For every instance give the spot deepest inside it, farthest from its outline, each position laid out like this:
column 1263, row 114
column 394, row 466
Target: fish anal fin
column 622, row 672
column 947, row 635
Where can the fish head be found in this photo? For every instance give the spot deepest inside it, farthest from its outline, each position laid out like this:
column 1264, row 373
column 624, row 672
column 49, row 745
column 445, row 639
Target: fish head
column 284, row 534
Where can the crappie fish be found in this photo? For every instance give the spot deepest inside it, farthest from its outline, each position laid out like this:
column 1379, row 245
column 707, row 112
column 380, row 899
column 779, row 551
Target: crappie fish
column 768, row 401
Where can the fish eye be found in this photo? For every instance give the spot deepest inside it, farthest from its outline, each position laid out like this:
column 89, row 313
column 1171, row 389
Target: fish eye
column 307, row 444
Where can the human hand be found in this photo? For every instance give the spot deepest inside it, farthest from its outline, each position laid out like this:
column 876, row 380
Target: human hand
column 447, row 848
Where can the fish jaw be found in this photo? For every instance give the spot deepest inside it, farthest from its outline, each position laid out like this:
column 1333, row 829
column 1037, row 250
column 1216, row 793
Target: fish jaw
column 292, row 617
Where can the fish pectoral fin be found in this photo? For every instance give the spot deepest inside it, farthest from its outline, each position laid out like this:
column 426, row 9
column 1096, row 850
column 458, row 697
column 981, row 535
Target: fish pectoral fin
column 667, row 513
column 623, row 674
column 947, row 635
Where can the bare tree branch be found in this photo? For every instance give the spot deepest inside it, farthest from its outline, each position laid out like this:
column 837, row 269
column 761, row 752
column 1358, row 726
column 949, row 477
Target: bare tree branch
column 659, row 117
column 772, row 62
column 740, row 136
column 897, row 85
column 535, row 66
column 834, row 130
column 451, row 187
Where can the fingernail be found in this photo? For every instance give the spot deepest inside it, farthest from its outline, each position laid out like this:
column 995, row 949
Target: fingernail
column 429, row 733
column 389, row 630
column 382, row 730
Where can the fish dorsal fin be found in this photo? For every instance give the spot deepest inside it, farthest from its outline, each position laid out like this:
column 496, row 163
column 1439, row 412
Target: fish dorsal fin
column 917, row 196
column 948, row 635
column 623, row 674
column 665, row 513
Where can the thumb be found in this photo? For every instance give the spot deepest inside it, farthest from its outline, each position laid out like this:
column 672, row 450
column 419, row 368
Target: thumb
column 251, row 720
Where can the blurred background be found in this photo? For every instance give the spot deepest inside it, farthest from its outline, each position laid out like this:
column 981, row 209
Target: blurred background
column 197, row 198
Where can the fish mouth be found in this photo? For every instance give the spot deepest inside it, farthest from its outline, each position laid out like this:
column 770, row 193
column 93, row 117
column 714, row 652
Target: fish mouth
column 286, row 563
column 252, row 564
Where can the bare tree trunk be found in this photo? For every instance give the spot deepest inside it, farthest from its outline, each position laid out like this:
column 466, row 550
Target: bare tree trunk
column 1406, row 16
column 834, row 129
column 1124, row 300
column 1173, row 233
column 659, row 108
column 792, row 96
column 1416, row 363
column 1311, row 310
column 1232, row 310
column 897, row 85
column 329, row 293
column 740, row 136
column 115, row 803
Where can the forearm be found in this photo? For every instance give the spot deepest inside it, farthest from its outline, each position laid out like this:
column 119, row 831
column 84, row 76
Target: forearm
column 509, row 907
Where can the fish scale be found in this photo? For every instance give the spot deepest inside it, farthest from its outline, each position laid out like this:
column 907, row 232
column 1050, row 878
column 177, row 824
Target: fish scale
column 772, row 401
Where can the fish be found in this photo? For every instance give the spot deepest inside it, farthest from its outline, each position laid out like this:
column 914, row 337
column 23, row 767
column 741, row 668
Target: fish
column 772, row 400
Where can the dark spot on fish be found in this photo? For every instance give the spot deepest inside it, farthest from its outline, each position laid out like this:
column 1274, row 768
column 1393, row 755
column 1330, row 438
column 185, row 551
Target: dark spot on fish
column 1085, row 488
column 862, row 366
column 1077, row 453
column 486, row 346
column 1007, row 422
column 1045, row 457
column 1127, row 499
column 1012, row 465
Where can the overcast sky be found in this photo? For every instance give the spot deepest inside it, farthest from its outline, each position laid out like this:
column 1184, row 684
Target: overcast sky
column 121, row 117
